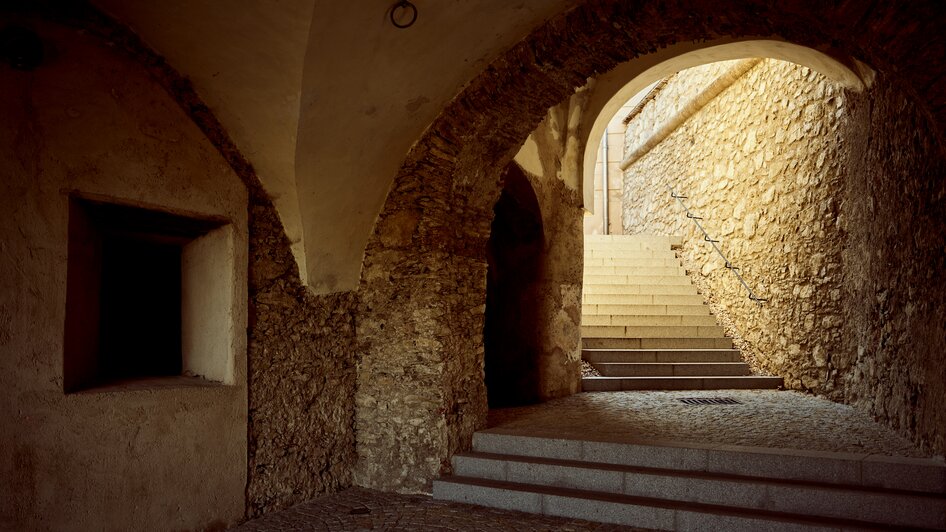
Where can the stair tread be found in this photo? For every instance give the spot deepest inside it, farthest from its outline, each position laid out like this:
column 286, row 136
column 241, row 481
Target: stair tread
column 889, row 472
column 657, row 337
column 658, row 349
column 644, row 328
column 689, row 377
column 680, row 383
column 699, row 474
column 624, row 315
column 706, row 369
column 721, row 362
column 644, row 348
column 667, row 504
column 676, row 342
column 660, row 356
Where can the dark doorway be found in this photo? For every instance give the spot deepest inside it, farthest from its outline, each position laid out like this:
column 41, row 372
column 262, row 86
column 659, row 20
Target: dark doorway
column 514, row 256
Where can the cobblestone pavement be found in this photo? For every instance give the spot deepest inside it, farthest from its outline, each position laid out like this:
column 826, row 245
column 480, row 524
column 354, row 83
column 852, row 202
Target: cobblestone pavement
column 364, row 509
column 766, row 418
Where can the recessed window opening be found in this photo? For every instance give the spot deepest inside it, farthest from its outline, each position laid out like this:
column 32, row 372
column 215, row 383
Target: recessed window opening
column 148, row 296
column 140, row 312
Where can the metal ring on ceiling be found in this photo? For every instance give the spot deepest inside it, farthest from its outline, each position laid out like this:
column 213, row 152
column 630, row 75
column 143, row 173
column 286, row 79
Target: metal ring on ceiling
column 399, row 10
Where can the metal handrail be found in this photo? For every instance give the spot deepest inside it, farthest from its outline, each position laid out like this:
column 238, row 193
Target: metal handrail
column 706, row 237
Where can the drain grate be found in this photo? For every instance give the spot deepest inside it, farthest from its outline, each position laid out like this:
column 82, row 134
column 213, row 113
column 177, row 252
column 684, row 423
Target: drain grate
column 710, row 401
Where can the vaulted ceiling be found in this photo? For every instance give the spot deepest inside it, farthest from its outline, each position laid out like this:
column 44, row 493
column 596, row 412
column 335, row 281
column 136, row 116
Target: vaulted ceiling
column 326, row 98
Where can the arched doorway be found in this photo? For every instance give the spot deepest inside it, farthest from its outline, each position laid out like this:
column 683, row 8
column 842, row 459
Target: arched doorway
column 514, row 256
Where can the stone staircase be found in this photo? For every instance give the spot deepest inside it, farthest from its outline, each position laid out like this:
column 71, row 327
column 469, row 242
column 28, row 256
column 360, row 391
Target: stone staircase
column 645, row 327
column 693, row 487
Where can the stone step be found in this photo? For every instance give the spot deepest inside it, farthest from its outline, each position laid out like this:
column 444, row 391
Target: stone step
column 652, row 331
column 629, row 356
column 647, row 310
column 669, row 240
column 629, row 254
column 633, row 243
column 874, row 471
column 633, row 263
column 636, row 280
column 638, row 320
column 641, row 299
column 625, row 384
column 637, row 289
column 624, row 510
column 635, row 270
column 672, row 369
column 626, row 246
column 735, row 494
column 656, row 343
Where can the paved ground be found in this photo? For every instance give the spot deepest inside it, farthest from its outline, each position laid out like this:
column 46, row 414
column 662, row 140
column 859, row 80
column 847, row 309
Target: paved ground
column 362, row 509
column 765, row 418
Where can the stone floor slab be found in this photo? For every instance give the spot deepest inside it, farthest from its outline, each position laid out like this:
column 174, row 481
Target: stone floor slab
column 766, row 418
column 363, row 509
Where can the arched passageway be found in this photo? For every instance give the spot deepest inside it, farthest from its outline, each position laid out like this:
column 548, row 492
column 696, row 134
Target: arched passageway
column 764, row 163
column 514, row 256
column 434, row 228
column 612, row 89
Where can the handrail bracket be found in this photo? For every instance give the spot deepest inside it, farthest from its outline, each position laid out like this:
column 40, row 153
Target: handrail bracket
column 729, row 265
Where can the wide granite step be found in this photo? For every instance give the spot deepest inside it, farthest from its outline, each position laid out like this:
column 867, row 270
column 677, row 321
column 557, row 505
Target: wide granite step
column 679, row 486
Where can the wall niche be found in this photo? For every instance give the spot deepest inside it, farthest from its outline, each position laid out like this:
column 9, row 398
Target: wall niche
column 148, row 297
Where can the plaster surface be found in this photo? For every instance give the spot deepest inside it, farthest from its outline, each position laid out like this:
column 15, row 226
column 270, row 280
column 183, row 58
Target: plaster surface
column 246, row 60
column 169, row 453
column 390, row 81
column 300, row 347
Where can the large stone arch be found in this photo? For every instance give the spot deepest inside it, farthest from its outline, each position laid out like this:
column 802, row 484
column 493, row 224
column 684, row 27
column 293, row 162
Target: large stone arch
column 421, row 392
column 611, row 90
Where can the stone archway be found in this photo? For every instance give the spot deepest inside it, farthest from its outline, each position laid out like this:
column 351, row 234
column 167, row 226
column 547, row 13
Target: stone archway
column 421, row 392
column 611, row 90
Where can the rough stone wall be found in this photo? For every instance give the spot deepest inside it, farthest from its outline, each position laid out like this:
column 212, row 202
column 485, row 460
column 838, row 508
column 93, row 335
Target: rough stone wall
column 435, row 220
column 420, row 377
column 831, row 203
column 680, row 89
column 301, row 377
column 558, row 288
column 762, row 163
column 554, row 179
column 894, row 213
column 422, row 346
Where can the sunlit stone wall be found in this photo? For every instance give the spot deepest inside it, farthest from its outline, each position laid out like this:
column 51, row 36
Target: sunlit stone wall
column 797, row 177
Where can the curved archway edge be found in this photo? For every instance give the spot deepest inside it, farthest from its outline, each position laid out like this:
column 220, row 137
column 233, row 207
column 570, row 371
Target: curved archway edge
column 423, row 277
column 612, row 89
